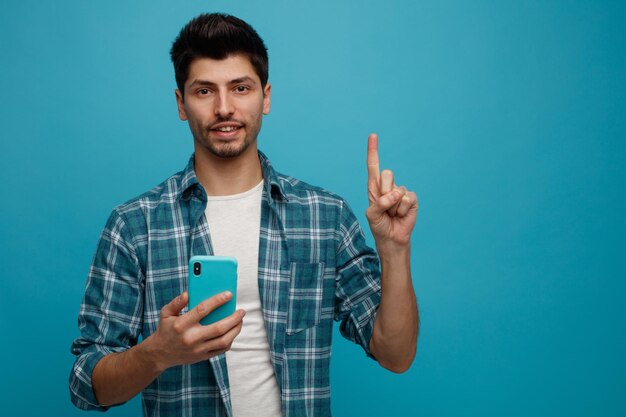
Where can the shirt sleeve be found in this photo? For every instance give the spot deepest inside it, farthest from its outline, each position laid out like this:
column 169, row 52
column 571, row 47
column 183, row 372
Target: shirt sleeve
column 110, row 317
column 357, row 289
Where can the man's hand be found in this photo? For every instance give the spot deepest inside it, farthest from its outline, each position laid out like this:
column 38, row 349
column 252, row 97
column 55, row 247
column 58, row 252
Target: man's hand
column 182, row 339
column 393, row 210
column 118, row 377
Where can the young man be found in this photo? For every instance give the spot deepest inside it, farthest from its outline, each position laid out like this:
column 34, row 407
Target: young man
column 302, row 260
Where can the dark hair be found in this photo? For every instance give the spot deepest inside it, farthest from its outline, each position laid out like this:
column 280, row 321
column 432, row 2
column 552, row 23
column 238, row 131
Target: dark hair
column 216, row 36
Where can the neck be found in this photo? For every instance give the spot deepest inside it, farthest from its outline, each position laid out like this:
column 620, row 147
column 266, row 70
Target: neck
column 227, row 176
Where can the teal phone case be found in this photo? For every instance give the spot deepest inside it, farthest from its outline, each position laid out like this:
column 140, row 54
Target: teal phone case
column 218, row 274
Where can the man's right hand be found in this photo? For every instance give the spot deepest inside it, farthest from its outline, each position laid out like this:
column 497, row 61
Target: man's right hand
column 178, row 340
column 181, row 339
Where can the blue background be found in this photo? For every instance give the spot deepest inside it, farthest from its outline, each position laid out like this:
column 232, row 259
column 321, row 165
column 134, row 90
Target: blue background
column 506, row 117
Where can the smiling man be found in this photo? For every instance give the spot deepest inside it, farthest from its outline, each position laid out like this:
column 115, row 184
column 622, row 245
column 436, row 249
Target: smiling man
column 302, row 262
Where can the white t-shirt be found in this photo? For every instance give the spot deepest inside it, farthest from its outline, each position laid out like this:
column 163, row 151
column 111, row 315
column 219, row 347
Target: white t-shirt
column 234, row 224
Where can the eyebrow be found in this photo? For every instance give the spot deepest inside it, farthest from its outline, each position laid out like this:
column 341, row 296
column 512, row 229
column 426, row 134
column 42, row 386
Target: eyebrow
column 245, row 78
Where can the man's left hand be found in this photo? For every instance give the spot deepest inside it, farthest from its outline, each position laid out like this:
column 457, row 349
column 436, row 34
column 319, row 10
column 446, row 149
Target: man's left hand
column 393, row 209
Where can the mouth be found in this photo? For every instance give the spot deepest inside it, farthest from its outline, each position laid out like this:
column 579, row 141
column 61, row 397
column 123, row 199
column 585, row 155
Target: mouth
column 226, row 130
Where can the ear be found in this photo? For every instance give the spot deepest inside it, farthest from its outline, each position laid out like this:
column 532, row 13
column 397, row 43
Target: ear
column 267, row 91
column 182, row 114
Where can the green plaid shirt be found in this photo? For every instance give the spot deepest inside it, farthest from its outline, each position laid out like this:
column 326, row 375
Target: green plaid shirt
column 314, row 267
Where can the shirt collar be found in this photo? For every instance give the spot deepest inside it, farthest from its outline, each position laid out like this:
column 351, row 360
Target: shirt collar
column 189, row 182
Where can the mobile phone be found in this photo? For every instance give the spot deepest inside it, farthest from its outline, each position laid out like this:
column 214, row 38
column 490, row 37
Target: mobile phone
column 211, row 275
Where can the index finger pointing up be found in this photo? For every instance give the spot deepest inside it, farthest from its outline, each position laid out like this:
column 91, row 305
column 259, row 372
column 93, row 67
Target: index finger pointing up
column 373, row 165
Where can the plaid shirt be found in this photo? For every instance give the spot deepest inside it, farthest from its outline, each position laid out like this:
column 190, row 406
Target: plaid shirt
column 314, row 267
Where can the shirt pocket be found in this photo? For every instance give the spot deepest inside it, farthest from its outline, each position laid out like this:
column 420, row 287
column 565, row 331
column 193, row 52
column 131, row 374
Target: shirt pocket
column 305, row 296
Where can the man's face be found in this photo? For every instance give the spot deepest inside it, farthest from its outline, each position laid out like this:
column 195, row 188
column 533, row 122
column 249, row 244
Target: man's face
column 224, row 104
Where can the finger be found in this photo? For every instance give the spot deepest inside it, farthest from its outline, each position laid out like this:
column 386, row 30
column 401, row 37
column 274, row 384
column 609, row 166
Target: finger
column 373, row 165
column 224, row 341
column 204, row 308
column 386, row 182
column 373, row 168
column 174, row 307
column 219, row 328
column 212, row 353
column 406, row 203
column 384, row 203
column 394, row 209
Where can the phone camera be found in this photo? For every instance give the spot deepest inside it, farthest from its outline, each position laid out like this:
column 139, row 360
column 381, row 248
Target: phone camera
column 197, row 268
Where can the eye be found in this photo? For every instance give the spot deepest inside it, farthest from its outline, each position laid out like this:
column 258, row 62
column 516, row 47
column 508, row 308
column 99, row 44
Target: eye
column 203, row 91
column 242, row 89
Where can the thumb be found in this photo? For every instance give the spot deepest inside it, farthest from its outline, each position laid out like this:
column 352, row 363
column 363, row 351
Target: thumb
column 380, row 206
column 174, row 307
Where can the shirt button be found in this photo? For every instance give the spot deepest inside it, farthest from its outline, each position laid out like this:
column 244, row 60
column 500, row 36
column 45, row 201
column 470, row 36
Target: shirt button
column 198, row 193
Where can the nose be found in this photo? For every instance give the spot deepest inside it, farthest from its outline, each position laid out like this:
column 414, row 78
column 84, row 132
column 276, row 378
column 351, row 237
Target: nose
column 224, row 106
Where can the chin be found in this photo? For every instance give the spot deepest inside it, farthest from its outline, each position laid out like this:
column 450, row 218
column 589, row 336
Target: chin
column 228, row 151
